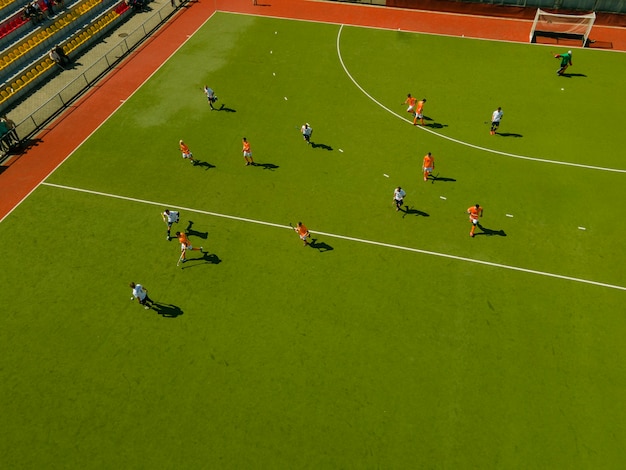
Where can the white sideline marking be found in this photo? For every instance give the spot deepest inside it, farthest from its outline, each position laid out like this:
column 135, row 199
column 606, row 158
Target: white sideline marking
column 452, row 139
column 343, row 237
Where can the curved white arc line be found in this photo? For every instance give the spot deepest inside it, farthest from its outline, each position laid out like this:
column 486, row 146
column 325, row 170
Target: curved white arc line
column 461, row 142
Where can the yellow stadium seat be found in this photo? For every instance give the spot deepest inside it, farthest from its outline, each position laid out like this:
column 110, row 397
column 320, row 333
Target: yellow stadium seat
column 4, row 94
column 39, row 69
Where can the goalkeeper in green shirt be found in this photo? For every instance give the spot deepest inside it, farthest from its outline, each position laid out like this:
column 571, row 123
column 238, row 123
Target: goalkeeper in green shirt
column 566, row 61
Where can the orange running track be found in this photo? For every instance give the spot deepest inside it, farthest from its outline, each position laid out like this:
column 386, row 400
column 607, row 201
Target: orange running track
column 65, row 134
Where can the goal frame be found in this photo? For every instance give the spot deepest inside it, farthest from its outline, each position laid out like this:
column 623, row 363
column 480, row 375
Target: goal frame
column 556, row 25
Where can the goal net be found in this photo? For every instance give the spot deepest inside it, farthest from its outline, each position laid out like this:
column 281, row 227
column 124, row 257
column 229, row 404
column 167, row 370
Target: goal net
column 557, row 25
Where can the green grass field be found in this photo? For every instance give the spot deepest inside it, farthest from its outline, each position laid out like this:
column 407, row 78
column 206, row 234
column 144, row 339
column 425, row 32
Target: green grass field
column 364, row 351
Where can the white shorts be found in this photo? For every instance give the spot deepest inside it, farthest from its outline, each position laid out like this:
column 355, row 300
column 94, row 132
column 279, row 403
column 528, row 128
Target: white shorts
column 184, row 247
column 187, row 155
column 429, row 169
column 474, row 221
column 247, row 154
column 419, row 116
column 410, row 109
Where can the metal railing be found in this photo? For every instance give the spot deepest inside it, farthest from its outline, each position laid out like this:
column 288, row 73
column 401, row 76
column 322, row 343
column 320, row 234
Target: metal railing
column 95, row 72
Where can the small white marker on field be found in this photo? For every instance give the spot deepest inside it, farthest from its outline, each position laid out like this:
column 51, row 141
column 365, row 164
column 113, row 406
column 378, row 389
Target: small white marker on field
column 275, row 32
column 443, row 197
column 341, row 150
column 271, row 52
column 582, row 228
column 385, row 175
column 274, row 73
column 285, row 98
column 562, row 89
column 509, row 215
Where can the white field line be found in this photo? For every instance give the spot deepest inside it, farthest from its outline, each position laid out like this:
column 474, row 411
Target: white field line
column 122, row 102
column 357, row 25
column 344, row 237
column 461, row 142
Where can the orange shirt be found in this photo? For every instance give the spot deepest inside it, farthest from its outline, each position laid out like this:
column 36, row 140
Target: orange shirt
column 411, row 101
column 474, row 212
column 420, row 107
column 302, row 230
column 182, row 238
column 184, row 148
column 429, row 161
column 246, row 146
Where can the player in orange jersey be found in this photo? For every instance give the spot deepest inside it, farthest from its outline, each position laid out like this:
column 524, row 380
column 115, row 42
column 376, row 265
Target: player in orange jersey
column 185, row 245
column 419, row 111
column 303, row 232
column 428, row 165
column 186, row 152
column 247, row 152
column 475, row 212
column 411, row 101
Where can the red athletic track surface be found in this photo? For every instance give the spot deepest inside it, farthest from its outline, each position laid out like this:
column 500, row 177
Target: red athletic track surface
column 65, row 134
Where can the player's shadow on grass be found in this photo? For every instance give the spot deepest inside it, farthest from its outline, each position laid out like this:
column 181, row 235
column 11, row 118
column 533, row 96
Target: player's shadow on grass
column 207, row 258
column 508, row 134
column 321, row 246
column 205, row 165
column 191, row 231
column 432, row 124
column 266, row 166
column 408, row 210
column 489, row 232
column 167, row 310
column 443, row 179
column 224, row 108
column 320, row 146
column 570, row 75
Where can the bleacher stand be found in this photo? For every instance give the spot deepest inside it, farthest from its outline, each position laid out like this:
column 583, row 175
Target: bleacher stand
column 29, row 53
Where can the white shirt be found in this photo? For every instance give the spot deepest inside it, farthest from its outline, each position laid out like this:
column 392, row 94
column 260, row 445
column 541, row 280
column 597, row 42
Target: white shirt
column 139, row 292
column 307, row 130
column 209, row 92
column 399, row 195
column 496, row 116
column 171, row 217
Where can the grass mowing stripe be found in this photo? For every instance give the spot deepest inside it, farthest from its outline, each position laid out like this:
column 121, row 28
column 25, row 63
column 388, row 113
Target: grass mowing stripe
column 344, row 237
column 461, row 142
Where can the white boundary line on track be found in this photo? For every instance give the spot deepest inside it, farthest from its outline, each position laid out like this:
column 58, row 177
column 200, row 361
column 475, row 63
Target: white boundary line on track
column 344, row 237
column 133, row 55
column 461, row 142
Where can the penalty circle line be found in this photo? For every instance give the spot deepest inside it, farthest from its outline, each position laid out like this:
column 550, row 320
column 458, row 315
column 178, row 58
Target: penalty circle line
column 457, row 141
column 342, row 237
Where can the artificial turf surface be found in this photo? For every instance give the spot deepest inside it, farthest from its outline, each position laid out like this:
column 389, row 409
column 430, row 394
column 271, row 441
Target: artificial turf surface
column 347, row 354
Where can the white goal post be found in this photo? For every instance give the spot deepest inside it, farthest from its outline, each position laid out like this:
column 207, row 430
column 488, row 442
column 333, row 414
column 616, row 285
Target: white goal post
column 560, row 25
